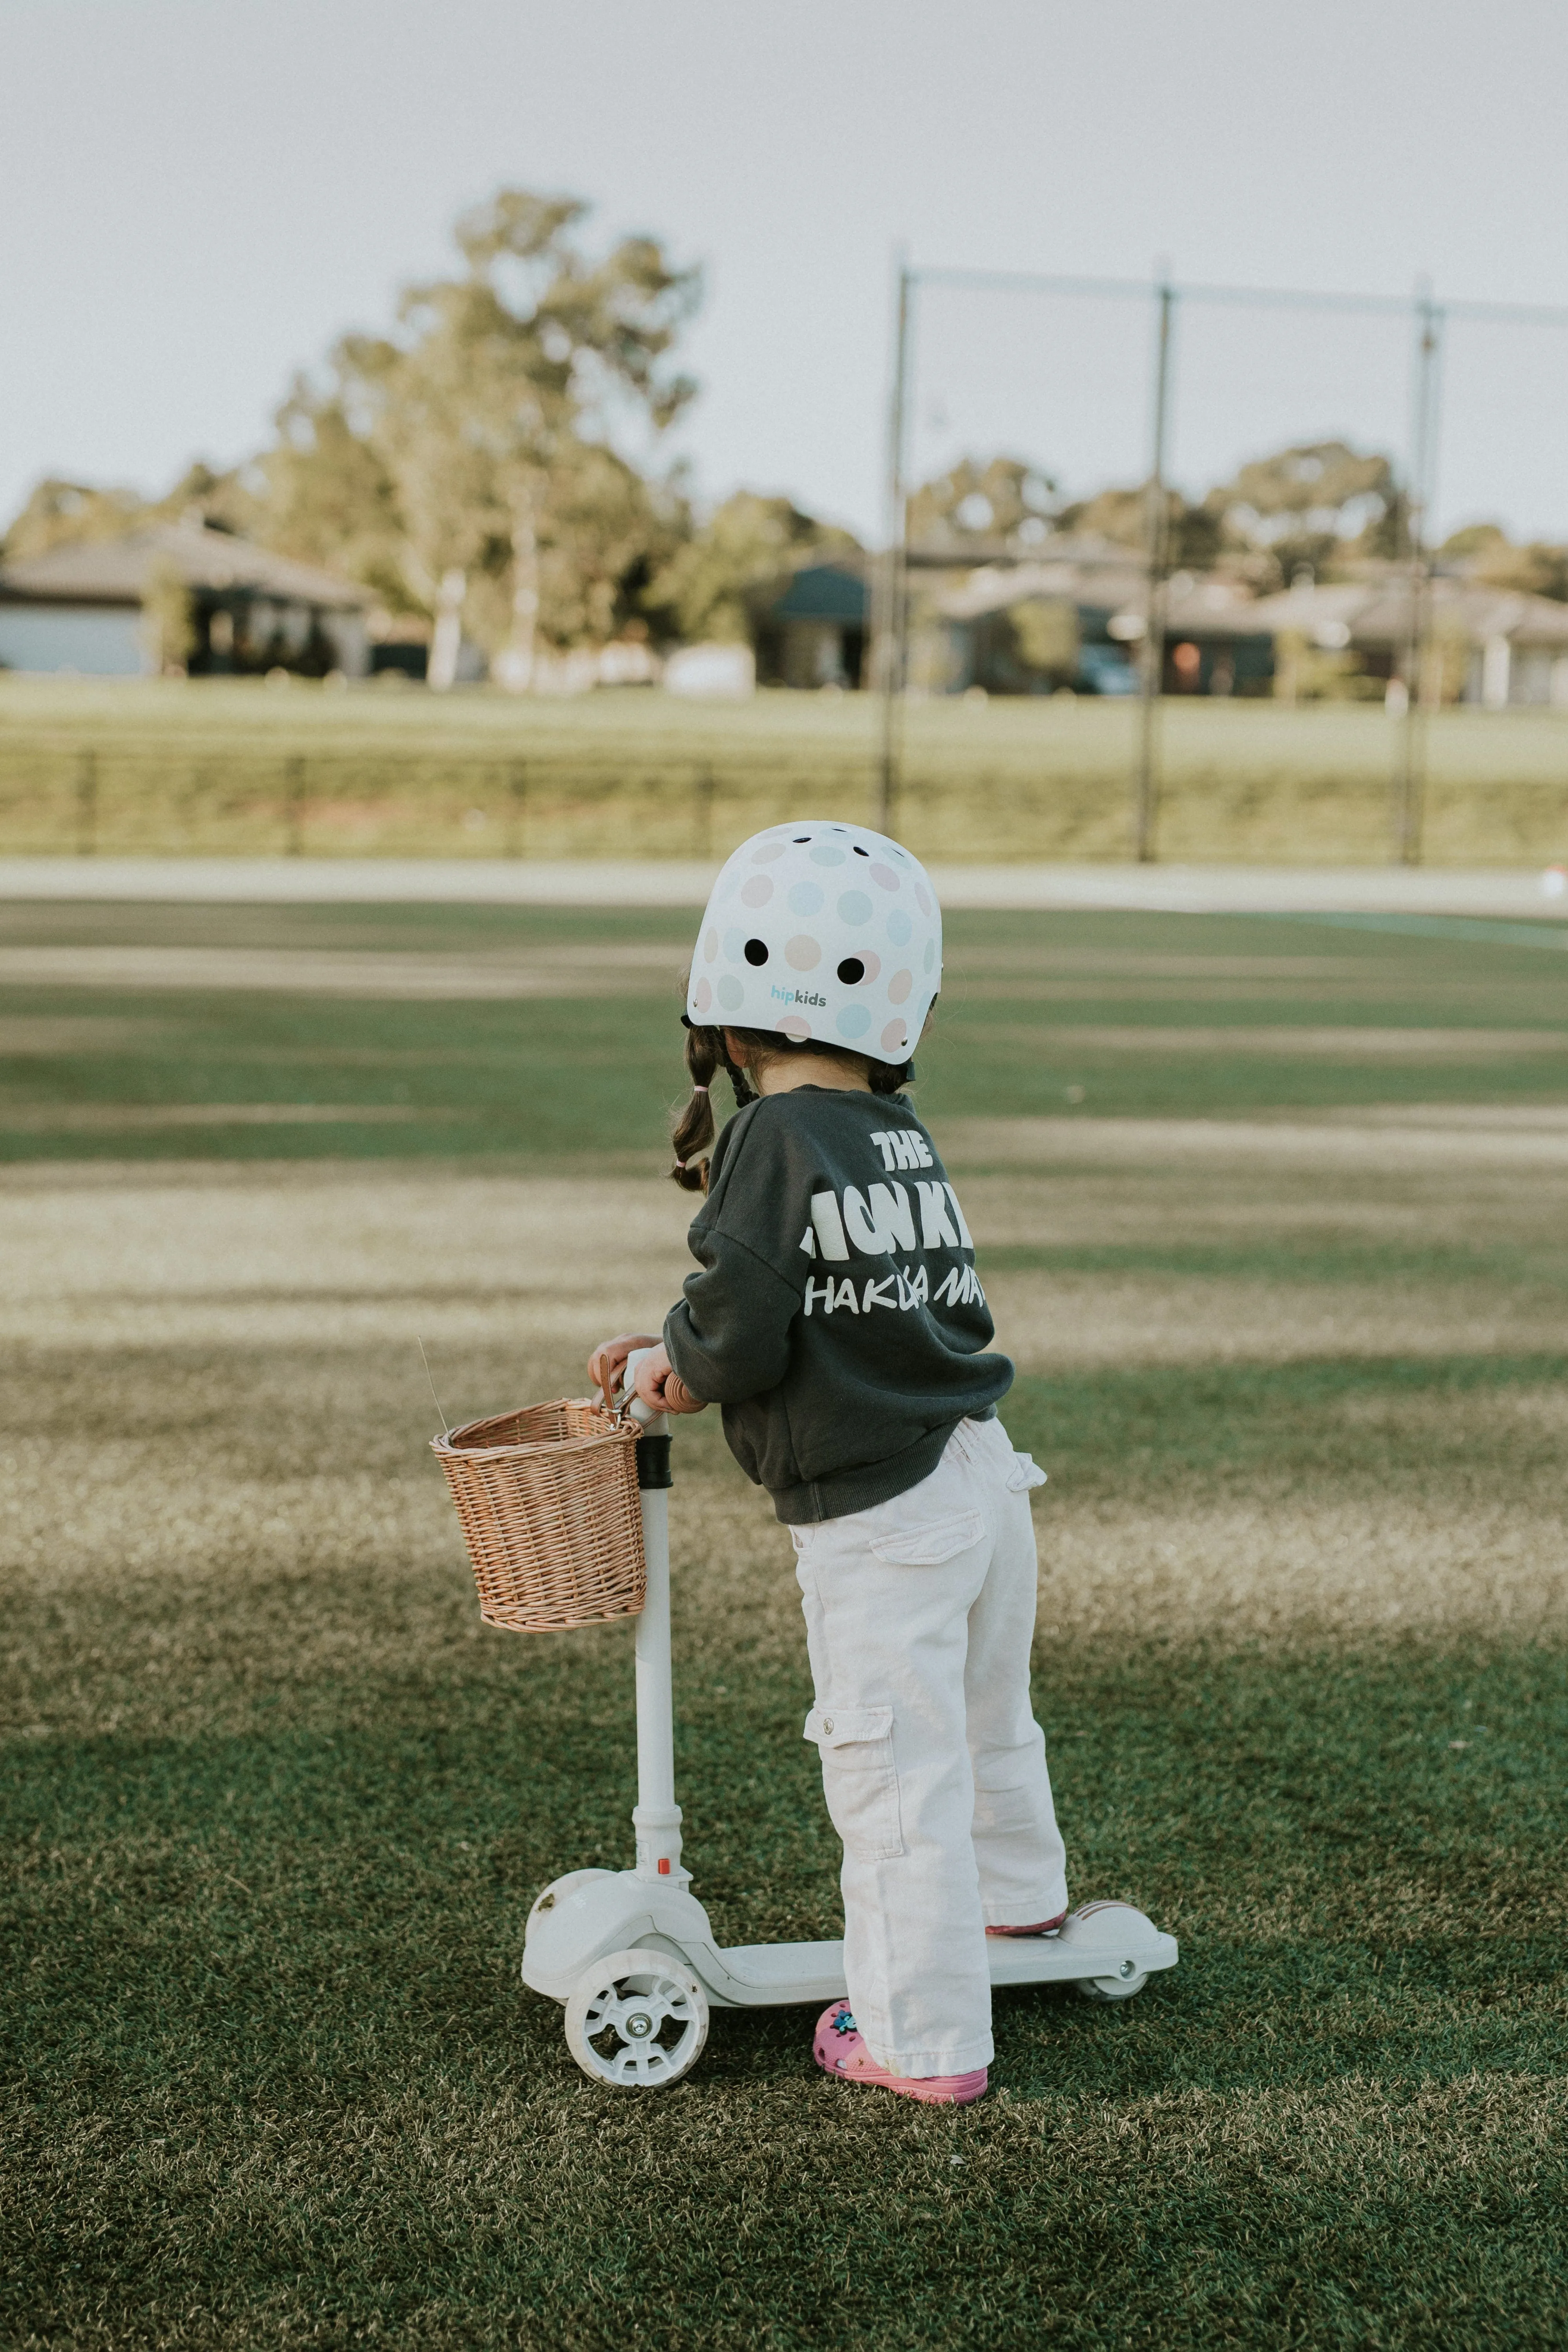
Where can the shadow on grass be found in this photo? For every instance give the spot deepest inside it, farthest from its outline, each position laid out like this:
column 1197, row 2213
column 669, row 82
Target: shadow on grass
column 1284, row 1423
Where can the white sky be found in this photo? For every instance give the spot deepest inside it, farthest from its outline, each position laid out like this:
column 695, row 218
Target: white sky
column 196, row 196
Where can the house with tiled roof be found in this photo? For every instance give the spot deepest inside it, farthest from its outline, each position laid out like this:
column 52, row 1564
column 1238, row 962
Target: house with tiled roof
column 93, row 606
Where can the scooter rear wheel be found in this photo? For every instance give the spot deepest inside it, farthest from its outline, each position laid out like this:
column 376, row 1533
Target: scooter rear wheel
column 636, row 2021
column 1117, row 1987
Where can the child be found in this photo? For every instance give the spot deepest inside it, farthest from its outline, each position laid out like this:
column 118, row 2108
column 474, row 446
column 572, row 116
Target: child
column 838, row 1320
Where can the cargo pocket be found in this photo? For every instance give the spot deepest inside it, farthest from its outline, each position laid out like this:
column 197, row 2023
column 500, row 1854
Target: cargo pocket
column 929, row 1546
column 860, row 1779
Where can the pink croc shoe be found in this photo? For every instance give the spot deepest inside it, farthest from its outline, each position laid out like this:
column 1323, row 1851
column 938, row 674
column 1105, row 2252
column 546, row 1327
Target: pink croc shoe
column 1046, row 1927
column 838, row 2049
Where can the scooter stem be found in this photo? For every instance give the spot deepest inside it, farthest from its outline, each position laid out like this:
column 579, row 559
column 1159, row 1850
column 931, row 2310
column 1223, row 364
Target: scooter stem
column 656, row 1817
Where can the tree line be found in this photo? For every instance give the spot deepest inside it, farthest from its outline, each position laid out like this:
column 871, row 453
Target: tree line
column 468, row 467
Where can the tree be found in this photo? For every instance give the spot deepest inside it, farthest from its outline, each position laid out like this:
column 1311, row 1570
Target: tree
column 716, row 587
column 1489, row 556
column 168, row 619
column 227, row 501
column 1317, row 504
column 330, row 498
column 1314, row 504
column 62, row 513
column 1195, row 536
column 1003, row 501
column 462, row 465
column 59, row 513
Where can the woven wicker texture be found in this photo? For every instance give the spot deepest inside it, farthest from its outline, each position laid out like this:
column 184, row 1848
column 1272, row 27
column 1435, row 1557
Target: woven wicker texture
column 547, row 1502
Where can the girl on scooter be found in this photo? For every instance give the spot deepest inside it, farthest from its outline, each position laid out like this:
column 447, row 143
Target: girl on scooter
column 837, row 1318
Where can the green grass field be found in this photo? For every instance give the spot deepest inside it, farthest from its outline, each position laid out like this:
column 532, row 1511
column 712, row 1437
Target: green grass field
column 241, row 767
column 1274, row 1218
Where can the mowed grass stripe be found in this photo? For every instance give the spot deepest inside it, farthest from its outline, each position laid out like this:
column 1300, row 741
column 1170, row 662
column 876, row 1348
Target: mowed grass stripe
column 1427, row 1140
column 610, row 968
column 96, row 1118
column 587, row 1059
column 1284, row 1263
column 1248, row 1038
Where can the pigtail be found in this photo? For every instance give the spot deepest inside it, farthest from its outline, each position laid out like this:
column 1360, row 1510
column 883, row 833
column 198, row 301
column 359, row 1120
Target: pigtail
column 744, row 1091
column 691, row 1136
column 707, row 1053
column 693, row 1133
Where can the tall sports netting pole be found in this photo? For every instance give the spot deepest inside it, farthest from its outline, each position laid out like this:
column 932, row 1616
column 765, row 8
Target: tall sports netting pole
column 891, row 634
column 1421, row 684
column 1157, row 527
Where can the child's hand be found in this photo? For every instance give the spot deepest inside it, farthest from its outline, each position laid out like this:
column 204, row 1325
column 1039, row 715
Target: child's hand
column 660, row 1386
column 608, row 1358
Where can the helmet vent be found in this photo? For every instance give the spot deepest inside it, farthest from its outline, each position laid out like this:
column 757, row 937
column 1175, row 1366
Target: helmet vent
column 850, row 970
column 756, row 950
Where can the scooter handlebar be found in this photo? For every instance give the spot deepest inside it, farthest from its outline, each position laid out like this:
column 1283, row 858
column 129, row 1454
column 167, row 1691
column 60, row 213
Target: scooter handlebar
column 639, row 1410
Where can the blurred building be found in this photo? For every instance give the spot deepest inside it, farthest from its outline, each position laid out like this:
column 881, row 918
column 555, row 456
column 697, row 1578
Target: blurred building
column 1495, row 647
column 1076, row 619
column 1215, row 642
column 815, row 633
column 1075, row 616
column 182, row 593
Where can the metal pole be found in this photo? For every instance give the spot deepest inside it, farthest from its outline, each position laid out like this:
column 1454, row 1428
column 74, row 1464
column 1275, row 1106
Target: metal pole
column 294, row 807
column 1157, row 534
column 702, row 812
column 892, row 617
column 516, row 808
column 656, row 1817
column 1412, row 782
column 86, row 804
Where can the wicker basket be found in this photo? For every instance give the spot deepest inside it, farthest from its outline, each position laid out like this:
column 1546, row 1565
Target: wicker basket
column 548, row 1501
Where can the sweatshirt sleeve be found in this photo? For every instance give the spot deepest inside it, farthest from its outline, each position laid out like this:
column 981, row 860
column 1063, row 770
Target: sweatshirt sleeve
column 729, row 1336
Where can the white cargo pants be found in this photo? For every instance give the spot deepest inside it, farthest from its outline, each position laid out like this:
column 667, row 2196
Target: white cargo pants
column 919, row 1617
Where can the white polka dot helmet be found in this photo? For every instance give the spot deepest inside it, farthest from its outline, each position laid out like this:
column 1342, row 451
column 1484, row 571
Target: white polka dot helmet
column 822, row 930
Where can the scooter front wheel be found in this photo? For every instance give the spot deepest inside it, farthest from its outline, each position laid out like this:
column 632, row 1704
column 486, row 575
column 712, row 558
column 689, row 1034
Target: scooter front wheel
column 636, row 2021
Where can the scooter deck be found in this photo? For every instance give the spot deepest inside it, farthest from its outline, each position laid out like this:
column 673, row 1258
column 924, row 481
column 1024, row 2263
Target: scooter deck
column 765, row 1975
column 585, row 1916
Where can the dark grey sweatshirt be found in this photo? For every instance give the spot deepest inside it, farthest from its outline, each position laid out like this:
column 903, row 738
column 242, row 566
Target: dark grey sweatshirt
column 838, row 1317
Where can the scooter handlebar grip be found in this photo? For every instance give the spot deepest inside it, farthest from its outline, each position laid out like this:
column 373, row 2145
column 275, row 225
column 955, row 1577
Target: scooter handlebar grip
column 639, row 1410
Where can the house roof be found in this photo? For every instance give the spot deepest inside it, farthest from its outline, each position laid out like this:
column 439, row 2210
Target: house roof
column 1376, row 614
column 1091, row 551
column 1210, row 608
column 118, row 570
column 823, row 591
column 1068, row 579
column 1115, row 583
column 1369, row 614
